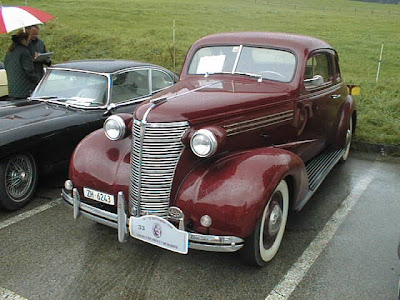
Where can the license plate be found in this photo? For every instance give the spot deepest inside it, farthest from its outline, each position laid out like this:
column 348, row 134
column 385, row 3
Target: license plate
column 159, row 232
column 98, row 196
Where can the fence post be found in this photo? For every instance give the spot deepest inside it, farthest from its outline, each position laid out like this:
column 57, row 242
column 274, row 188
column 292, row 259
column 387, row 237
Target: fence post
column 379, row 64
column 173, row 44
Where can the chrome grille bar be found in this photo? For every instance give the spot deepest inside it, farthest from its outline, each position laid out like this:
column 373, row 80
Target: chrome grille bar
column 156, row 149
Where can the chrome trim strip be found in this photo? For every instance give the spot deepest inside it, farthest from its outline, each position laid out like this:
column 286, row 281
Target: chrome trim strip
column 108, row 75
column 196, row 241
column 249, row 125
column 273, row 116
column 162, row 124
column 215, row 248
column 320, row 93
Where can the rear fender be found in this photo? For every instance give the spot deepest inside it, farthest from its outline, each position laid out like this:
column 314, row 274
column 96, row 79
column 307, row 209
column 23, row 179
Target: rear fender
column 347, row 110
column 234, row 189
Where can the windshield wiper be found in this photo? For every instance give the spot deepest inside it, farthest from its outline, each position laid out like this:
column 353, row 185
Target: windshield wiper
column 254, row 75
column 49, row 98
column 215, row 73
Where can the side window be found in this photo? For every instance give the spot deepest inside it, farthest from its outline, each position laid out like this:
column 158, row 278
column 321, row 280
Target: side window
column 130, row 85
column 319, row 64
column 160, row 80
column 338, row 77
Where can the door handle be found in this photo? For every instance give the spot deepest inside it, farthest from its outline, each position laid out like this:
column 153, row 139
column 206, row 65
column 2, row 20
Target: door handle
column 335, row 96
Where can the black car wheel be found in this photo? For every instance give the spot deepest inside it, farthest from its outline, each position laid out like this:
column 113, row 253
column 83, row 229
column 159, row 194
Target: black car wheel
column 18, row 179
column 264, row 243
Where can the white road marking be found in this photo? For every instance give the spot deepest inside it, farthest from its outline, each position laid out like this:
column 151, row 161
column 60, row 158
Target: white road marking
column 294, row 276
column 8, row 295
column 29, row 214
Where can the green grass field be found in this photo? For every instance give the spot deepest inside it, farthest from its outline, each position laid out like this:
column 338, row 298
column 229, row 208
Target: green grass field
column 142, row 30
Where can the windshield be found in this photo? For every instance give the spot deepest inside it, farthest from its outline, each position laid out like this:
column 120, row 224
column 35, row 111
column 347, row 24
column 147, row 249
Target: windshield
column 271, row 64
column 71, row 87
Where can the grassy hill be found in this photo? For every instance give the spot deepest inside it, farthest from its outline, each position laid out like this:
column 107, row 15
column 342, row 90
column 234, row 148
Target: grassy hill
column 142, row 30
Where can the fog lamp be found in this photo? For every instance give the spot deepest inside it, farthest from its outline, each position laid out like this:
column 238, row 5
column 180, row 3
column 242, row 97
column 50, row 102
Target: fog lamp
column 206, row 221
column 114, row 128
column 68, row 185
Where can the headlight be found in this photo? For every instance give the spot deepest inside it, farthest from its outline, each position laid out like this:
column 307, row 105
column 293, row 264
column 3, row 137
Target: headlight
column 114, row 128
column 203, row 143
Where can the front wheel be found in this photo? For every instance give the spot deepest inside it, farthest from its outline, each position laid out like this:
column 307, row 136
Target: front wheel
column 18, row 180
column 264, row 243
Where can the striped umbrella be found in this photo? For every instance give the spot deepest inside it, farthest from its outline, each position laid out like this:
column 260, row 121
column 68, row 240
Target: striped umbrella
column 15, row 17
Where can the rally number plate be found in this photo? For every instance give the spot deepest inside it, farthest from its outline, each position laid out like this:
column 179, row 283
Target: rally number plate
column 159, row 232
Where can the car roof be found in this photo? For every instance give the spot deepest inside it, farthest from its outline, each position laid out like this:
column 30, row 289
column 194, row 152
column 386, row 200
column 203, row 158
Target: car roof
column 295, row 42
column 101, row 65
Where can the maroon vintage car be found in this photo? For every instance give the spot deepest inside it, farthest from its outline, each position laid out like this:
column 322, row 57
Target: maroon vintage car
column 215, row 162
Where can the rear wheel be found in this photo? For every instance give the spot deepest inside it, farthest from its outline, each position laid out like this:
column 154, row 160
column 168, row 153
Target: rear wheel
column 264, row 243
column 18, row 180
column 349, row 136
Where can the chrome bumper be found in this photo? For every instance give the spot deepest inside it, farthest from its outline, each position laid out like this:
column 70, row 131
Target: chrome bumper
column 120, row 221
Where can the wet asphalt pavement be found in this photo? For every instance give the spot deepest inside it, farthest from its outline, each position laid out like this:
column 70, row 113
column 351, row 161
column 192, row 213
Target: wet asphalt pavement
column 353, row 219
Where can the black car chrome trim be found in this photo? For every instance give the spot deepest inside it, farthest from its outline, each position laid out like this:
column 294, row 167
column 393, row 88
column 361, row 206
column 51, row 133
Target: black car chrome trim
column 150, row 68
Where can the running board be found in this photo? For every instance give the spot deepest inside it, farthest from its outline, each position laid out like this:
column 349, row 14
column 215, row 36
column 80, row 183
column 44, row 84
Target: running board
column 318, row 168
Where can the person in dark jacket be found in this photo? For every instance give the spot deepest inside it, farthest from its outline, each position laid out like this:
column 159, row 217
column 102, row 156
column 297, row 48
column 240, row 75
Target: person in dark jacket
column 19, row 67
column 37, row 46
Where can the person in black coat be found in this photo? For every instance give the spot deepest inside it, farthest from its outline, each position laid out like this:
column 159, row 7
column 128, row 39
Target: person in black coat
column 36, row 46
column 18, row 63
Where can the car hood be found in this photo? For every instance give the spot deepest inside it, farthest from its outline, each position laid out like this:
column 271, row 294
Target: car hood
column 39, row 119
column 202, row 100
column 10, row 106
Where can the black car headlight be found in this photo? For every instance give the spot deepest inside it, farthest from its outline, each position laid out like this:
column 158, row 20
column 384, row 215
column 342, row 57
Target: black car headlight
column 114, row 128
column 203, row 143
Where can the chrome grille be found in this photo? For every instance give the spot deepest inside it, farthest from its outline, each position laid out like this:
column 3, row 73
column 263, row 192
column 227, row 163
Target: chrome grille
column 156, row 149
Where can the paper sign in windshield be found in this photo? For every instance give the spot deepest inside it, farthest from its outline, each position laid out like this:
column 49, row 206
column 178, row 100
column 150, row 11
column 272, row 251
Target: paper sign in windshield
column 211, row 64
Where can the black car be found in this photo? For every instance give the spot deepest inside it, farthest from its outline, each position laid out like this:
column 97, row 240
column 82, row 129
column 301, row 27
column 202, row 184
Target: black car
column 72, row 100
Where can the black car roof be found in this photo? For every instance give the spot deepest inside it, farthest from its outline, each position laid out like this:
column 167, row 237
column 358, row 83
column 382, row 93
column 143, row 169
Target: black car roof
column 101, row 65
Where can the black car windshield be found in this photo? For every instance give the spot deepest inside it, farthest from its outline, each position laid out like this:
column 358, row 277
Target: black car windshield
column 73, row 88
column 271, row 64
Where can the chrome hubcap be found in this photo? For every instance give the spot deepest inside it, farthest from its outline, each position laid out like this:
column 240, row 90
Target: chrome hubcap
column 275, row 220
column 348, row 136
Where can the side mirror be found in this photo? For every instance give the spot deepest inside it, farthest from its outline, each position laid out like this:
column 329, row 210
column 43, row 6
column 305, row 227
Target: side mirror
column 316, row 81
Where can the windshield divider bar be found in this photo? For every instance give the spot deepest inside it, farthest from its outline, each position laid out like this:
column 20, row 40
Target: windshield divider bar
column 237, row 59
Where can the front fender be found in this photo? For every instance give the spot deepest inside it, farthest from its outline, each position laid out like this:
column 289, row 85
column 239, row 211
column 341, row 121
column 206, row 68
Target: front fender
column 346, row 112
column 234, row 189
column 101, row 164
